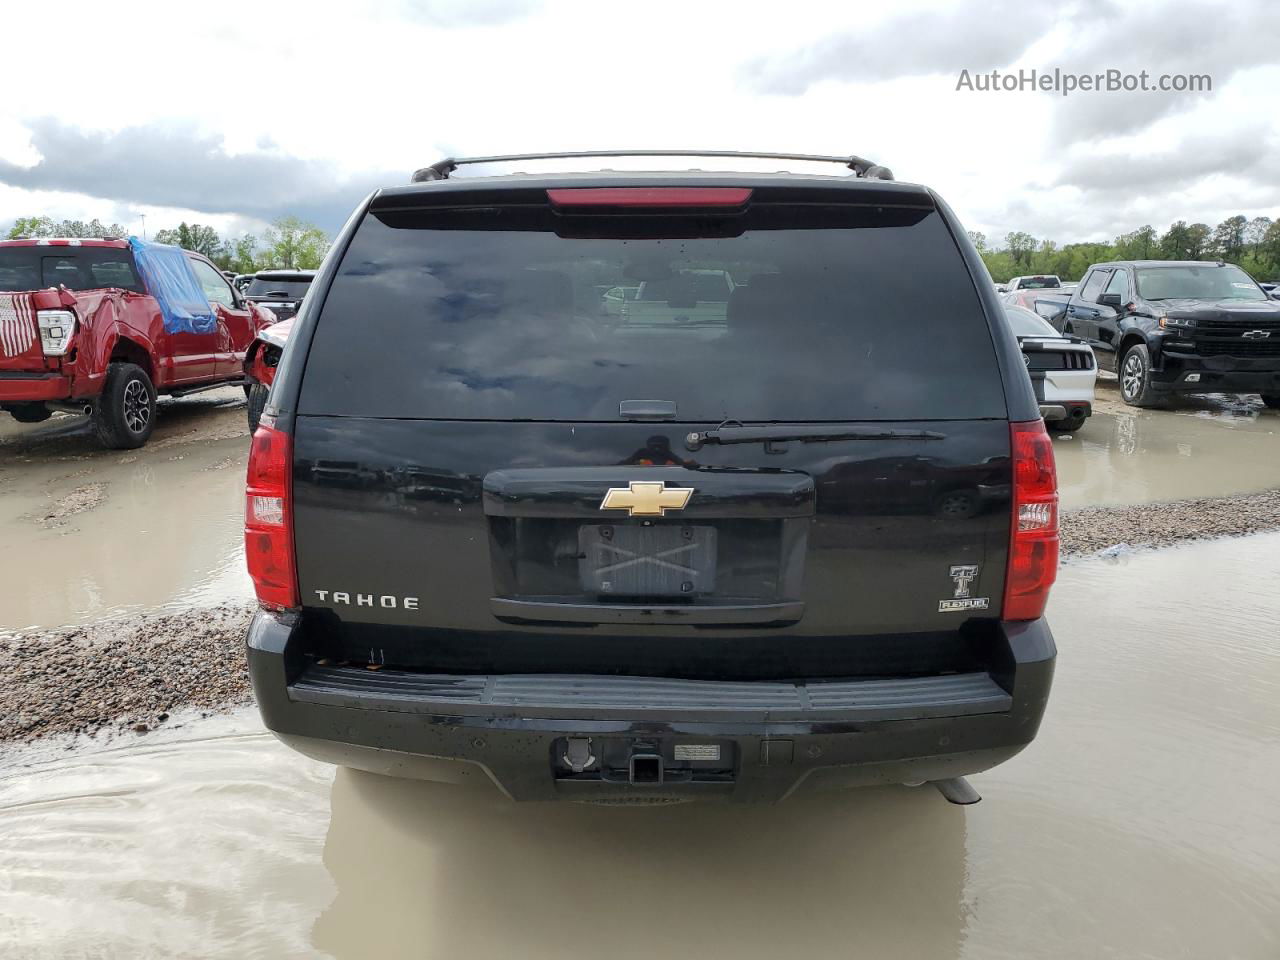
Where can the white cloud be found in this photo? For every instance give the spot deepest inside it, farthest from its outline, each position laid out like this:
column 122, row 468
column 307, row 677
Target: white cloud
column 299, row 105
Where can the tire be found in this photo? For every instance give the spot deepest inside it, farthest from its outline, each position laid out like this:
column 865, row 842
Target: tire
column 257, row 401
column 1272, row 400
column 125, row 414
column 1065, row 426
column 1134, row 374
column 31, row 413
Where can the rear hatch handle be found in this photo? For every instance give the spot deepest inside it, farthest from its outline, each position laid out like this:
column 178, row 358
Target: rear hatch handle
column 733, row 431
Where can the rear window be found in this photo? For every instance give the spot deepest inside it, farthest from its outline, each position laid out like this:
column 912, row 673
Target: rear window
column 1038, row 283
column 782, row 313
column 284, row 289
column 76, row 268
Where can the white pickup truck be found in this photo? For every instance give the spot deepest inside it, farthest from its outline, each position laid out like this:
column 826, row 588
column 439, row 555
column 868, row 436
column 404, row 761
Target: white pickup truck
column 690, row 297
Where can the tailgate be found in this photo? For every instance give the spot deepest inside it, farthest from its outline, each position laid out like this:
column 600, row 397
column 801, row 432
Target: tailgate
column 433, row 543
column 493, row 470
column 20, row 350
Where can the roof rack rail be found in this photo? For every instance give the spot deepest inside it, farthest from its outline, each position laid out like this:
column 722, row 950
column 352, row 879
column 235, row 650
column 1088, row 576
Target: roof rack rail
column 441, row 169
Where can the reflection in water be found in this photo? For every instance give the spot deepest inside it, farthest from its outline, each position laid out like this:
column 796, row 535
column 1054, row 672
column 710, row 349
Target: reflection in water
column 1144, row 456
column 118, row 532
column 1141, row 823
column 433, row 870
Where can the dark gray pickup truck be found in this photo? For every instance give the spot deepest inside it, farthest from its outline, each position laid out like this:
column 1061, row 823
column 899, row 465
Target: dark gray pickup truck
column 1173, row 326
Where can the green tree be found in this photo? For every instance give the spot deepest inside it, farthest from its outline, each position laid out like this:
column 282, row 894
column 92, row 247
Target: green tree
column 241, row 254
column 48, row 227
column 1021, row 246
column 1269, row 249
column 1198, row 236
column 292, row 244
column 1255, row 231
column 195, row 237
column 979, row 240
column 1137, row 245
column 1228, row 238
column 1176, row 242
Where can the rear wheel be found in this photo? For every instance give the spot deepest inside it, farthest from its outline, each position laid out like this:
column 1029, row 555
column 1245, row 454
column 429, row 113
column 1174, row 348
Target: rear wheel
column 31, row 413
column 257, row 393
column 125, row 414
column 1272, row 400
column 957, row 505
column 1135, row 377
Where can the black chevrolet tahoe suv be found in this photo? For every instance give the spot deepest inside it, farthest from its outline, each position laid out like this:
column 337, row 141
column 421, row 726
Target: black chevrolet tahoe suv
column 1178, row 326
column 696, row 548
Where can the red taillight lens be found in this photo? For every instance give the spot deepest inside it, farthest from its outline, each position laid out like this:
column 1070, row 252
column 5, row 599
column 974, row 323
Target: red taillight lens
column 649, row 196
column 268, row 519
column 1033, row 537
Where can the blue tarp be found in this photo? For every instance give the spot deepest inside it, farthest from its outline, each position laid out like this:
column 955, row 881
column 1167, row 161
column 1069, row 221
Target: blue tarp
column 167, row 274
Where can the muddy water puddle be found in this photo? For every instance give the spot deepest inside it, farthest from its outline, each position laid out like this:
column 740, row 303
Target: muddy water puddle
column 1202, row 447
column 1141, row 823
column 91, row 533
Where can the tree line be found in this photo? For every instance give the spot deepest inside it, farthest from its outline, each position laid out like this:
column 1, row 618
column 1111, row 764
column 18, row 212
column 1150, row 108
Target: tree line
column 1253, row 245
column 289, row 243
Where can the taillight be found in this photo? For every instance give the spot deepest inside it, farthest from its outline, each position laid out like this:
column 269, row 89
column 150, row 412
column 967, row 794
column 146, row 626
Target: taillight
column 268, row 518
column 1033, row 538
column 56, row 327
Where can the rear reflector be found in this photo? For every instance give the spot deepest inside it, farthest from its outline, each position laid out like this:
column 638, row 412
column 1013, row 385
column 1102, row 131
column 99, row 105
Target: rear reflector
column 1033, row 537
column 268, row 519
column 649, row 196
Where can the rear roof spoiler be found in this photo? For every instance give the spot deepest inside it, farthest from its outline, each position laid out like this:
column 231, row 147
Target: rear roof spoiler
column 441, row 169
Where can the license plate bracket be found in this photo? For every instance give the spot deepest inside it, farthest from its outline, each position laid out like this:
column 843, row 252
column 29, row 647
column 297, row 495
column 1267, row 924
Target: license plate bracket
column 647, row 560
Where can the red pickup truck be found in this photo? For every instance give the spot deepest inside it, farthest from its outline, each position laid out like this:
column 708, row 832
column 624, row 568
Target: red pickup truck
column 102, row 326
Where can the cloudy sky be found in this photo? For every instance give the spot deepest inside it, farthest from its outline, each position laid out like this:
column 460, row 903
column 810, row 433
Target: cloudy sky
column 235, row 113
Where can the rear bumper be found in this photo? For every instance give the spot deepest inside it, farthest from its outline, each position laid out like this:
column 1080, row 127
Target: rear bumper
column 33, row 387
column 1069, row 386
column 738, row 741
column 1180, row 372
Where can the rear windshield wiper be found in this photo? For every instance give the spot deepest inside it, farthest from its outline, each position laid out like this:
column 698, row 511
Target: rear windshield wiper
column 731, row 431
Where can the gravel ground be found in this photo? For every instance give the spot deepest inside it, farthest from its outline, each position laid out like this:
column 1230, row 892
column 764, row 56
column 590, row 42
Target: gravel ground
column 128, row 675
column 123, row 674
column 1147, row 525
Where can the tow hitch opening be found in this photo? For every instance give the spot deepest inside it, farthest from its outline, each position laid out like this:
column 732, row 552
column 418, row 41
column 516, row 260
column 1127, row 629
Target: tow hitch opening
column 646, row 768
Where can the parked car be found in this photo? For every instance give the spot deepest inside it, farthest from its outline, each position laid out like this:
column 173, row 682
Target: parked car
column 280, row 291
column 260, row 362
column 1178, row 326
column 1050, row 304
column 613, row 300
column 1039, row 282
column 103, row 326
column 1062, row 369
column 498, row 537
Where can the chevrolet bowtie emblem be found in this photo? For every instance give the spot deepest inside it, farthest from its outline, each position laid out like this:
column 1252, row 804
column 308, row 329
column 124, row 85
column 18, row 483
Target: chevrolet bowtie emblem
column 646, row 498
